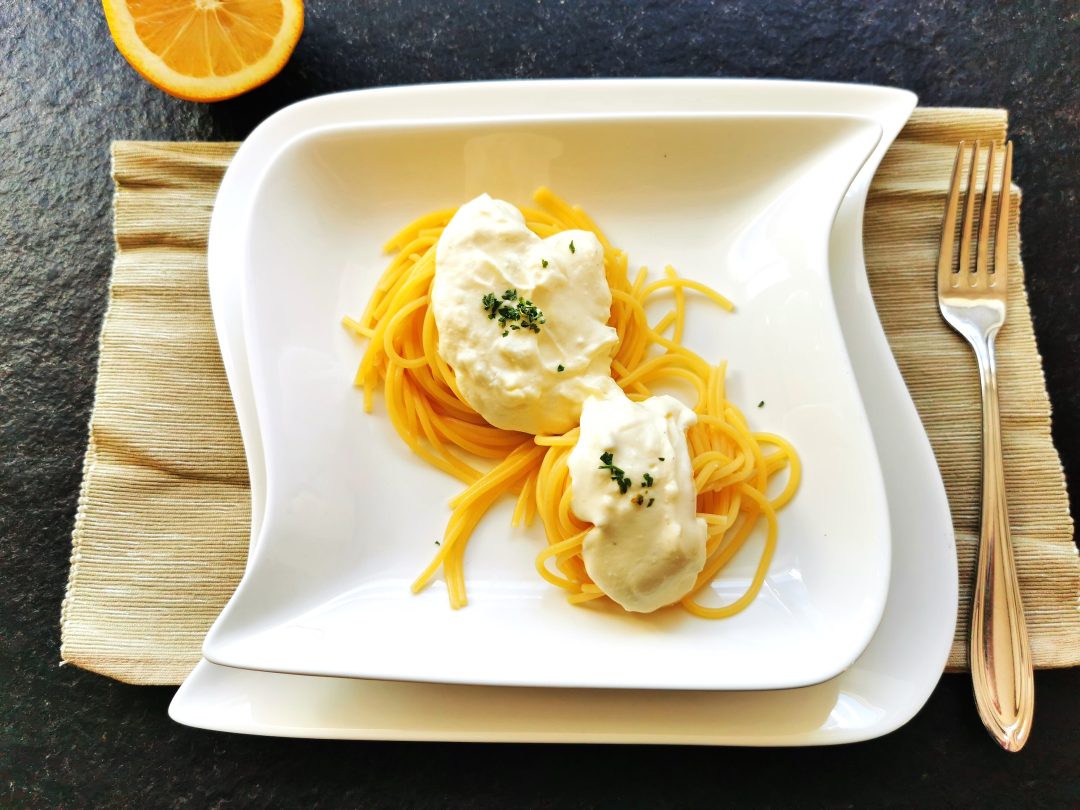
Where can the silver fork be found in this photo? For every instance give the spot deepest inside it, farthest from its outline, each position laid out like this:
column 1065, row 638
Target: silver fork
column 973, row 303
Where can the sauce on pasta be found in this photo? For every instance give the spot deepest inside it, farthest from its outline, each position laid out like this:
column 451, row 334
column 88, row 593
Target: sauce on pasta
column 730, row 465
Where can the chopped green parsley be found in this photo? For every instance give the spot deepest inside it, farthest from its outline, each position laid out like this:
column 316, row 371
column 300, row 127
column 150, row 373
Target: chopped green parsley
column 572, row 248
column 607, row 462
column 619, row 476
column 561, row 367
column 543, row 262
column 511, row 308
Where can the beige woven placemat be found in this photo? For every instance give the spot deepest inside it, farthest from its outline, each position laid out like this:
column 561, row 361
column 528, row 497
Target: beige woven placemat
column 161, row 533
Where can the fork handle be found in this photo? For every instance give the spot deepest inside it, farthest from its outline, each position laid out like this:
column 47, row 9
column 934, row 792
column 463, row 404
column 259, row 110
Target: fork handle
column 1001, row 668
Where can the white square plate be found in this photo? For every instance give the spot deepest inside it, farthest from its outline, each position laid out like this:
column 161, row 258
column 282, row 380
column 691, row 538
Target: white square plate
column 742, row 202
column 882, row 690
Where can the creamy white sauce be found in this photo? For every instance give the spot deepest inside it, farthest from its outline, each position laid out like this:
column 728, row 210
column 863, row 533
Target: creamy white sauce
column 643, row 557
column 514, row 381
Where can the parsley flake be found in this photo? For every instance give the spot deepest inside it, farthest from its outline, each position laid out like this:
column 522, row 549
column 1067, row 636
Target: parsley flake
column 639, row 500
column 761, row 404
column 572, row 248
column 647, row 480
column 561, row 367
column 650, row 503
column 661, row 458
column 530, row 315
column 617, row 475
column 543, row 262
column 510, row 308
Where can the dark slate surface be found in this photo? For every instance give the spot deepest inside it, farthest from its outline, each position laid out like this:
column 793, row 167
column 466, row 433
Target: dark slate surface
column 72, row 739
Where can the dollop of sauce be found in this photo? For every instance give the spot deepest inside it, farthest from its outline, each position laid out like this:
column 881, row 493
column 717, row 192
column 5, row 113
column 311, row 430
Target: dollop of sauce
column 631, row 476
column 531, row 371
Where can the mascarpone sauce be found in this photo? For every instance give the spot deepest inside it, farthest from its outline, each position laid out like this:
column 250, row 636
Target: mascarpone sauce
column 648, row 545
column 533, row 378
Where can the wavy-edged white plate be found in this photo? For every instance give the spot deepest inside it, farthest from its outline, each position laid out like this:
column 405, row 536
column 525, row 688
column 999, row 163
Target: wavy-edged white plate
column 743, row 202
column 881, row 690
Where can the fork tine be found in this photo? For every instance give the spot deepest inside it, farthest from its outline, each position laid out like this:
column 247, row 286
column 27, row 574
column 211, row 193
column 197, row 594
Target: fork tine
column 1001, row 244
column 982, row 250
column 969, row 213
column 948, row 225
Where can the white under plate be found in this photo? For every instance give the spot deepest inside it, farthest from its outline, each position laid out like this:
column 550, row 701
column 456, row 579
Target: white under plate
column 889, row 682
column 741, row 202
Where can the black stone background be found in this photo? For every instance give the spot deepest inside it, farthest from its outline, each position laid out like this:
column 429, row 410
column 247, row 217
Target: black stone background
column 73, row 739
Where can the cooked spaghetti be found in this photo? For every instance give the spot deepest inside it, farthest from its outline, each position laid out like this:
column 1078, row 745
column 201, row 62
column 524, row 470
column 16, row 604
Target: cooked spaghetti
column 732, row 465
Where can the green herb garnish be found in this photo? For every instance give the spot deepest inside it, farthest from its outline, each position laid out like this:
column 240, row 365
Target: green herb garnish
column 531, row 317
column 561, row 367
column 617, row 475
column 647, row 480
column 639, row 500
column 572, row 248
column 525, row 312
column 661, row 458
column 650, row 503
column 761, row 404
column 543, row 262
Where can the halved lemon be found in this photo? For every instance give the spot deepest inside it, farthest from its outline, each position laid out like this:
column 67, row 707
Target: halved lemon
column 206, row 50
